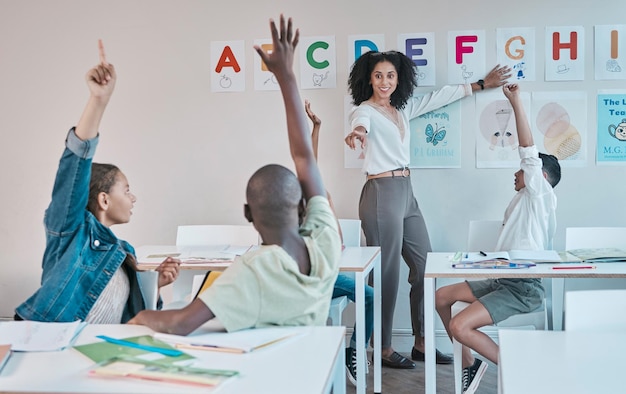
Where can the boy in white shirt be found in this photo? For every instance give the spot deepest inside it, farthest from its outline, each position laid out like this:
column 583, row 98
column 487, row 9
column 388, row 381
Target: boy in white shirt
column 529, row 224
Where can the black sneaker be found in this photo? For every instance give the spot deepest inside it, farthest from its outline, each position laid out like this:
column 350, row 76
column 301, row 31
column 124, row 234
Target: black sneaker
column 351, row 365
column 472, row 375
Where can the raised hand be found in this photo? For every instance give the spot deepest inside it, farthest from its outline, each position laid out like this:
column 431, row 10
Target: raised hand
column 314, row 118
column 280, row 60
column 497, row 77
column 101, row 78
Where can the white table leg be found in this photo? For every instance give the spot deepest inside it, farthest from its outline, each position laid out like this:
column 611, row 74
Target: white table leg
column 339, row 382
column 430, row 370
column 377, row 324
column 558, row 294
column 360, row 333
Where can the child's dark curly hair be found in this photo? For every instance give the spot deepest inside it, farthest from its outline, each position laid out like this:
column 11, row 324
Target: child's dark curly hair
column 359, row 80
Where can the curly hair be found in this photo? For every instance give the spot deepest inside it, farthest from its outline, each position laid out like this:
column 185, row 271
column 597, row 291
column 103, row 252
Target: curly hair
column 360, row 74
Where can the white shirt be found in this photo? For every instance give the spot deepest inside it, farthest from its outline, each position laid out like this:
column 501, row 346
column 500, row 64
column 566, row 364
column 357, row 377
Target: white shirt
column 530, row 218
column 388, row 146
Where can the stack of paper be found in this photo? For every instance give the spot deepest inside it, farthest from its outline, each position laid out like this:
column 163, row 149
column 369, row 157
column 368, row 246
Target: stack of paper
column 243, row 341
column 33, row 336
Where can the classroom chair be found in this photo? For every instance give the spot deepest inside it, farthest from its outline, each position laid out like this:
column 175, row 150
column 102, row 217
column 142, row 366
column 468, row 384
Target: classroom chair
column 483, row 235
column 351, row 232
column 595, row 310
column 205, row 235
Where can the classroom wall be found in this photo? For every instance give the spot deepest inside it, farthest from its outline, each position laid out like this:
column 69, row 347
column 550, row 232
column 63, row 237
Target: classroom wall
column 189, row 152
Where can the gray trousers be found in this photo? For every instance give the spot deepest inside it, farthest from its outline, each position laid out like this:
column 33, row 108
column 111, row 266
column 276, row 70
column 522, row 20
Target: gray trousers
column 391, row 219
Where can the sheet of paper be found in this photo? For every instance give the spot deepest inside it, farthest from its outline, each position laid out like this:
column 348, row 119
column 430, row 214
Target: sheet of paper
column 32, row 336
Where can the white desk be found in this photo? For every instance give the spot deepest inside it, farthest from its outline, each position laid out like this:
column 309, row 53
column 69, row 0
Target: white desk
column 359, row 260
column 573, row 362
column 309, row 363
column 438, row 265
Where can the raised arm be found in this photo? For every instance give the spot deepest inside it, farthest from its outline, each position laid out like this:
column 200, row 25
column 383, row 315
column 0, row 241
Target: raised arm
column 101, row 82
column 524, row 135
column 497, row 77
column 317, row 123
column 280, row 62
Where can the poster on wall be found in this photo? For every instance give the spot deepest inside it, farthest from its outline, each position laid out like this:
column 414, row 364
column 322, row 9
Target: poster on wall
column 611, row 146
column 610, row 52
column 559, row 124
column 515, row 47
column 318, row 65
column 420, row 47
column 496, row 134
column 360, row 44
column 263, row 78
column 466, row 56
column 436, row 138
column 565, row 53
column 352, row 158
column 228, row 59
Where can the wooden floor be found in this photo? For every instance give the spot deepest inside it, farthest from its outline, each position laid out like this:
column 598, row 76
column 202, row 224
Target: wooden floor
column 411, row 381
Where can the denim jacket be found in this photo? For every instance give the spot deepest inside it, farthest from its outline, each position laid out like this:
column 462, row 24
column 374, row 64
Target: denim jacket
column 81, row 253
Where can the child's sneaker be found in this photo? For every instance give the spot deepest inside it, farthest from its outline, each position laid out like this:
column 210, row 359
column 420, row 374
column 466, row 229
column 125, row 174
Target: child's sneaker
column 351, row 365
column 472, row 375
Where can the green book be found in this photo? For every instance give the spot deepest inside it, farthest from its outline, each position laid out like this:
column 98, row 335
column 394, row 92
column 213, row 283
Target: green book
column 102, row 351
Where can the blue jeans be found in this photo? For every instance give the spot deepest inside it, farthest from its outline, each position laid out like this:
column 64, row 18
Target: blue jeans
column 345, row 286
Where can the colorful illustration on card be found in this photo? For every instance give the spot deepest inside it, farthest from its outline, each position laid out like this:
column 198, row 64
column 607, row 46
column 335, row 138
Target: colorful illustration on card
column 561, row 120
column 466, row 56
column 318, row 65
column 565, row 53
column 496, row 138
column 611, row 145
column 436, row 138
column 420, row 48
column 610, row 52
column 516, row 48
column 227, row 71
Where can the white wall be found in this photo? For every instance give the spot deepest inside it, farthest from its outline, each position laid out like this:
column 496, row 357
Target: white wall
column 189, row 152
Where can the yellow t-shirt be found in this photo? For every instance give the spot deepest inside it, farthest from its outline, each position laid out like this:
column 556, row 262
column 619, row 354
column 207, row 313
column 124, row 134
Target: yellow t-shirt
column 264, row 287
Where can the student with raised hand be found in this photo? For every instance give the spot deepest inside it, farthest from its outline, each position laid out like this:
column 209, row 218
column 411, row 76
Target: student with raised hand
column 289, row 279
column 529, row 224
column 381, row 85
column 345, row 285
column 88, row 273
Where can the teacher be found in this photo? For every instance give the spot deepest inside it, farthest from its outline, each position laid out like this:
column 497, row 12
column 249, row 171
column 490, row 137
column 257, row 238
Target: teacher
column 381, row 85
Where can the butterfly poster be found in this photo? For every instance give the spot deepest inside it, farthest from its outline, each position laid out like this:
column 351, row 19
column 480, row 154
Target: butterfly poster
column 436, row 138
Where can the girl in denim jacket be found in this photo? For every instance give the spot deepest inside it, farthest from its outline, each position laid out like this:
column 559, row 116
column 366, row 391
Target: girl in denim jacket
column 88, row 273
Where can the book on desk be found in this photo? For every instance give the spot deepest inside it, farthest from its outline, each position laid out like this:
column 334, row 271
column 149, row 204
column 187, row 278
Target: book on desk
column 596, row 255
column 504, row 259
column 153, row 255
column 145, row 357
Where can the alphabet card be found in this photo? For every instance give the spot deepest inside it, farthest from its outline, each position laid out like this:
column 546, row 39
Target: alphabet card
column 420, row 47
column 318, row 65
column 466, row 56
column 565, row 53
column 610, row 52
column 516, row 47
column 228, row 66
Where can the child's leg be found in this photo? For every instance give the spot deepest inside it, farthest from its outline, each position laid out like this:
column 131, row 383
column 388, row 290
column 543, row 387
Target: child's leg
column 464, row 327
column 446, row 296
